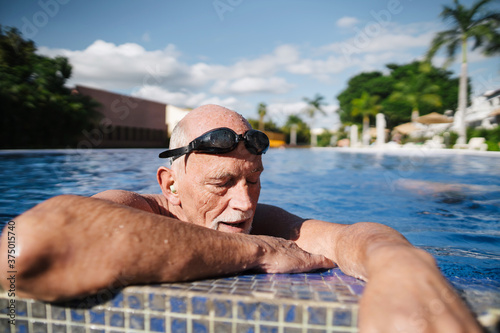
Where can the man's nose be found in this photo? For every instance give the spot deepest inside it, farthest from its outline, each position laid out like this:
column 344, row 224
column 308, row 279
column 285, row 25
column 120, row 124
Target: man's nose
column 240, row 197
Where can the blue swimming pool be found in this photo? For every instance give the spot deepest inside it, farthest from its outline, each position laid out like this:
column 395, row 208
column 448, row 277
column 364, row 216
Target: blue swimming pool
column 448, row 204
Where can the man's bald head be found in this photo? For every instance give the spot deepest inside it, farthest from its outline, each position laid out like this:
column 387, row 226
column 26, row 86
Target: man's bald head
column 204, row 119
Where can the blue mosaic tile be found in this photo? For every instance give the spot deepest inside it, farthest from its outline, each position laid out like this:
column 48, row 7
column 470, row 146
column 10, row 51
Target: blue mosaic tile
column 269, row 312
column 4, row 304
column 178, row 304
column 117, row 319
column 199, row 305
column 357, row 289
column 58, row 313
column 221, row 327
column 4, row 325
column 21, row 326
column 157, row 324
column 342, row 318
column 77, row 316
column 157, row 302
column 293, row 314
column 317, row 315
column 21, row 309
column 246, row 311
column 268, row 329
column 136, row 321
column 200, row 326
column 97, row 317
column 78, row 329
column 38, row 310
column 135, row 301
column 117, row 301
column 245, row 328
column 223, row 308
column 292, row 330
column 178, row 325
column 58, row 328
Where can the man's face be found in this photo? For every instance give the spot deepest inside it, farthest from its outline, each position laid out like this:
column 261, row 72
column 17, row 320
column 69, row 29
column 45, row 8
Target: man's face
column 221, row 191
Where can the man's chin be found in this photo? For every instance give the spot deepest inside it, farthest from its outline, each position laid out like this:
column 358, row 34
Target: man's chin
column 237, row 228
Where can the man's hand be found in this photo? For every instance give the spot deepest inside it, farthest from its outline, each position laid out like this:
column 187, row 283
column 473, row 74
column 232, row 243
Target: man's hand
column 407, row 293
column 284, row 256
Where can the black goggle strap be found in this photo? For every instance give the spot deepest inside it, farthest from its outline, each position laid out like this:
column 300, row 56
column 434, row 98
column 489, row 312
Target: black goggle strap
column 177, row 152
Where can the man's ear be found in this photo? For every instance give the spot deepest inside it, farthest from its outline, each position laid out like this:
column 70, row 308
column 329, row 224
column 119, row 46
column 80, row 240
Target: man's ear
column 166, row 180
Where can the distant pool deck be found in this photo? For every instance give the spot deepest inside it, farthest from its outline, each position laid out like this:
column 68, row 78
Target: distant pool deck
column 393, row 150
column 281, row 303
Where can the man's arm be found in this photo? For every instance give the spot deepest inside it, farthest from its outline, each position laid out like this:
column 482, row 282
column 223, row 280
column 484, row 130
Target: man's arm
column 405, row 291
column 71, row 246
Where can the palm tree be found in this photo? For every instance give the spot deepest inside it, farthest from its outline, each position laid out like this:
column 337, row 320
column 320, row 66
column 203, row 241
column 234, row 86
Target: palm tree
column 262, row 110
column 473, row 23
column 417, row 90
column 314, row 105
column 366, row 106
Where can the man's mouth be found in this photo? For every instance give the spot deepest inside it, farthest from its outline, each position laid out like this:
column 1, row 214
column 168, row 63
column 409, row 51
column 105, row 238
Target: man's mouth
column 240, row 225
column 236, row 227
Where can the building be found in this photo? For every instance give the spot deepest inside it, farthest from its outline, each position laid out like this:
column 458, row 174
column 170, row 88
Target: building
column 127, row 121
column 173, row 115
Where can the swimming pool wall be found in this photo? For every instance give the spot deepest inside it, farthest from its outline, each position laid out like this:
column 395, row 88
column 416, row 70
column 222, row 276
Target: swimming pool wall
column 313, row 302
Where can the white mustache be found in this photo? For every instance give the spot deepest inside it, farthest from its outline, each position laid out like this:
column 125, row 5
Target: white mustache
column 232, row 216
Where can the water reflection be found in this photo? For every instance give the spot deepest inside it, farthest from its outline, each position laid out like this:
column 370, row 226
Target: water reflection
column 449, row 204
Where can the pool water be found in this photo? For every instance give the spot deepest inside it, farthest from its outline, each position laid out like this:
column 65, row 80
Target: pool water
column 447, row 204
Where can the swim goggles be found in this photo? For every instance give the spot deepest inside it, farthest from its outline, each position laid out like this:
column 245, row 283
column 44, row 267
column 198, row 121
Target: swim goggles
column 222, row 140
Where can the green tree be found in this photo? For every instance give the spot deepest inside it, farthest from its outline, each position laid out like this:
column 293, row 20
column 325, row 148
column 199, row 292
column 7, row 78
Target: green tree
column 373, row 83
column 397, row 111
column 417, row 89
column 262, row 111
column 37, row 109
column 467, row 23
column 367, row 105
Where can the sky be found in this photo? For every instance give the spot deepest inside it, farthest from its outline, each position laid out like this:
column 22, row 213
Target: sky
column 237, row 53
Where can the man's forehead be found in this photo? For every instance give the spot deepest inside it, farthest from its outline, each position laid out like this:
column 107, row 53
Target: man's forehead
column 211, row 117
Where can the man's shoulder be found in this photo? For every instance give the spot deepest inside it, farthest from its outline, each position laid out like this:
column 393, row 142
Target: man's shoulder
column 153, row 203
column 274, row 221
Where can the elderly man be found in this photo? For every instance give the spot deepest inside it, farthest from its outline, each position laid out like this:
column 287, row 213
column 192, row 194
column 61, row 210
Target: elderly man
column 207, row 223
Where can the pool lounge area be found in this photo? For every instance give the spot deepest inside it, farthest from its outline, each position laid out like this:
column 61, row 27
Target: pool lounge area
column 309, row 302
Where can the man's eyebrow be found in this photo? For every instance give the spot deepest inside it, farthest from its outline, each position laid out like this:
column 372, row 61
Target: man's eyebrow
column 220, row 174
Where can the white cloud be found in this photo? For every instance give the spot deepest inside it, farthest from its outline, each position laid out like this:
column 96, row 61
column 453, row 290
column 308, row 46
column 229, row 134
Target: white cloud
column 393, row 38
column 123, row 66
column 186, row 99
column 347, row 21
column 248, row 85
column 180, row 98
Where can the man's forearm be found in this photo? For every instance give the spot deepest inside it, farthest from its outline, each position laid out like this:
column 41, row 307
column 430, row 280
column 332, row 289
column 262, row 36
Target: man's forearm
column 71, row 246
column 361, row 248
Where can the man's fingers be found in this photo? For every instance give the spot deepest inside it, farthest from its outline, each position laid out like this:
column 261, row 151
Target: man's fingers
column 322, row 262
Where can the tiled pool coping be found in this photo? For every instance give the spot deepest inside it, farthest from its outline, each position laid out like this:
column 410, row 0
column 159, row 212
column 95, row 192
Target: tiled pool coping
column 312, row 302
